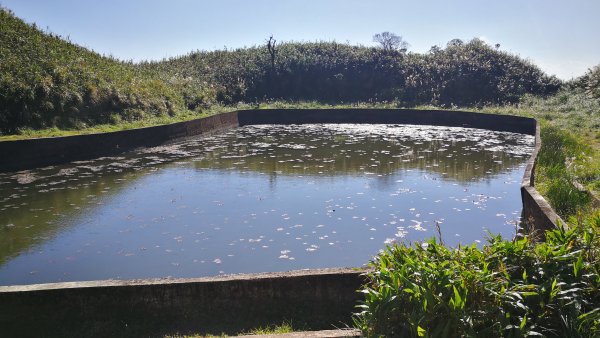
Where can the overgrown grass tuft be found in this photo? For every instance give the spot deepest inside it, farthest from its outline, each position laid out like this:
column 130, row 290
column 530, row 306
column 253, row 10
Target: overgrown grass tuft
column 559, row 166
column 286, row 327
column 506, row 289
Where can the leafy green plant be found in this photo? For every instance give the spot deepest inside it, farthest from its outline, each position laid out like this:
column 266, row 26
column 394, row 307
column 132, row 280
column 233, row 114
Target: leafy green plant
column 505, row 289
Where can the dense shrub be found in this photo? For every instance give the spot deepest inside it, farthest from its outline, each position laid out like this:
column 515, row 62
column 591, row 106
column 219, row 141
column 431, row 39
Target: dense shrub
column 589, row 82
column 593, row 82
column 475, row 73
column 461, row 74
column 506, row 289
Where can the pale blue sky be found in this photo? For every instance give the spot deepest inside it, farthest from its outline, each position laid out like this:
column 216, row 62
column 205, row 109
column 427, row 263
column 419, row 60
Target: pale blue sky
column 562, row 37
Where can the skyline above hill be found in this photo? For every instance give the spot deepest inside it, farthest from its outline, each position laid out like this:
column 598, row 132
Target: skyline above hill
column 558, row 37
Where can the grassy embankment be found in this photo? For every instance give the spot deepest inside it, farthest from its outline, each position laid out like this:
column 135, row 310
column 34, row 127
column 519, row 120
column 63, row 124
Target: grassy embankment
column 48, row 83
column 50, row 86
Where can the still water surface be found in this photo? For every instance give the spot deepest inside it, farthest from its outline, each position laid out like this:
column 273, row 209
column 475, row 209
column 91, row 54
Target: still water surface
column 259, row 198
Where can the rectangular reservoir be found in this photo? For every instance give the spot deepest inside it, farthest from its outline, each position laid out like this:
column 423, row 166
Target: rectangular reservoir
column 259, row 198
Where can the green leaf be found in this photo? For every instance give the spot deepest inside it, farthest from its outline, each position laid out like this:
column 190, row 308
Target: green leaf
column 529, row 293
column 578, row 265
column 523, row 322
column 421, row 332
column 458, row 302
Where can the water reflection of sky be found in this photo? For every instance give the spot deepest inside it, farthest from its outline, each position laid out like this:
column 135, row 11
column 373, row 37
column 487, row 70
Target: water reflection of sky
column 259, row 198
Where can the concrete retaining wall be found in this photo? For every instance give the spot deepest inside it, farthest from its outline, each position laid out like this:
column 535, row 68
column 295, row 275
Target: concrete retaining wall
column 537, row 216
column 312, row 300
column 32, row 153
column 316, row 299
column 509, row 123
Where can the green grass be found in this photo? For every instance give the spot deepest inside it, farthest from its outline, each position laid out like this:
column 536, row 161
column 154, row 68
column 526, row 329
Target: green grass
column 570, row 122
column 275, row 329
column 563, row 159
column 27, row 133
column 285, row 327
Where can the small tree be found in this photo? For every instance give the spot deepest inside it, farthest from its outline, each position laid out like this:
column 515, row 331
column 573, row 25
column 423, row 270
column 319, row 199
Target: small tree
column 391, row 41
column 455, row 43
column 271, row 47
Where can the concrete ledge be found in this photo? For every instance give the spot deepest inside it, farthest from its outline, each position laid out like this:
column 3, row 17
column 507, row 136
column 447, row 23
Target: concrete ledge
column 315, row 299
column 33, row 153
column 311, row 334
column 39, row 152
column 537, row 216
column 450, row 118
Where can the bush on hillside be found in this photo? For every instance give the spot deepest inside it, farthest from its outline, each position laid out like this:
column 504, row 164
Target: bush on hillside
column 461, row 74
column 593, row 82
column 475, row 73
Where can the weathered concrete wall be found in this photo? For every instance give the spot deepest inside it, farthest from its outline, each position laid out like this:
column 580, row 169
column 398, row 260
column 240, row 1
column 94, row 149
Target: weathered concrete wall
column 32, row 153
column 315, row 299
column 449, row 118
column 537, row 216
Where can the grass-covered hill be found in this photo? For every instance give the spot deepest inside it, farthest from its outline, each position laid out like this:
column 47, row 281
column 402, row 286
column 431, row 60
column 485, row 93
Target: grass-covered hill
column 460, row 74
column 47, row 81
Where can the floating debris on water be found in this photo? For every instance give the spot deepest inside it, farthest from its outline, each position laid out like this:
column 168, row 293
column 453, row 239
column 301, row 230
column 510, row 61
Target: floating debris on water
column 333, row 194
